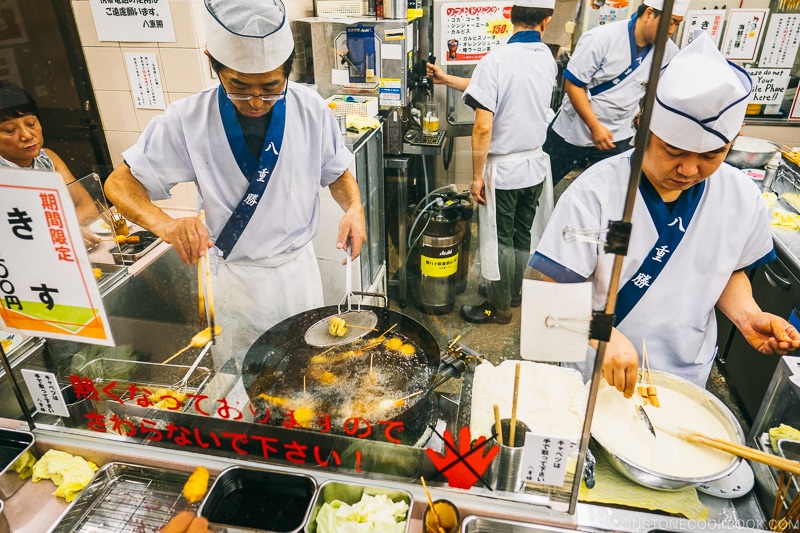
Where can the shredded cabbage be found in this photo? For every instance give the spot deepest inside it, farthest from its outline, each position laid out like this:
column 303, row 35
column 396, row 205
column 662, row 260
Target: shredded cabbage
column 377, row 514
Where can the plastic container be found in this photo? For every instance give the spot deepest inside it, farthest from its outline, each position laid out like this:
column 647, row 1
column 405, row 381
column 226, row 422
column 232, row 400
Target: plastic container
column 248, row 499
column 13, row 444
column 350, row 494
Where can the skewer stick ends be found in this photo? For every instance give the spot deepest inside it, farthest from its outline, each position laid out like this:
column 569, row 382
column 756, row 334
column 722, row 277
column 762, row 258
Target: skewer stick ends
column 498, row 426
column 513, row 427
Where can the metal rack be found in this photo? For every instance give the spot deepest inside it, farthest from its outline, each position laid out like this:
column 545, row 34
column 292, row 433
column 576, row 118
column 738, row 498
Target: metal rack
column 415, row 143
column 124, row 498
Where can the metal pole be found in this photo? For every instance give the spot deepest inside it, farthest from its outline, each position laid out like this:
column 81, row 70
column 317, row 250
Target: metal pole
column 15, row 386
column 640, row 142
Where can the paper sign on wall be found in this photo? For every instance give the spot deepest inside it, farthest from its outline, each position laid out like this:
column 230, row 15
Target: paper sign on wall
column 145, row 79
column 743, row 33
column 143, row 21
column 470, row 30
column 781, row 41
column 47, row 287
column 794, row 112
column 769, row 85
column 45, row 392
column 708, row 21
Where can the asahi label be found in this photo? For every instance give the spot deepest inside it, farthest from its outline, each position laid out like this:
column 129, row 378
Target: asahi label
column 439, row 262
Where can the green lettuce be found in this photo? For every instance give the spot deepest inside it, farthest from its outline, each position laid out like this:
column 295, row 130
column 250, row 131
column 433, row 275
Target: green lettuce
column 378, row 514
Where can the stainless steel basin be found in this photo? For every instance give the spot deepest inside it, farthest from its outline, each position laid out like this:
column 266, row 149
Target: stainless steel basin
column 477, row 524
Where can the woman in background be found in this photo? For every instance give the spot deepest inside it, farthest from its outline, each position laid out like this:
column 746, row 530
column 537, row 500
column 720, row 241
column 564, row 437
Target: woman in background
column 22, row 146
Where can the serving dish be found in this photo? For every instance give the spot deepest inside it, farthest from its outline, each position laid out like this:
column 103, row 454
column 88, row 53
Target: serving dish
column 13, row 445
column 750, row 152
column 350, row 494
column 250, row 499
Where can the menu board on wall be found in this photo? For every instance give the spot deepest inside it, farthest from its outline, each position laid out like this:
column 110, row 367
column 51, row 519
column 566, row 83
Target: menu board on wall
column 470, row 30
column 743, row 33
column 709, row 21
column 781, row 41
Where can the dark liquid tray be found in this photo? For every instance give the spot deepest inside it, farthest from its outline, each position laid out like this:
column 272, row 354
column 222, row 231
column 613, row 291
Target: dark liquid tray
column 259, row 499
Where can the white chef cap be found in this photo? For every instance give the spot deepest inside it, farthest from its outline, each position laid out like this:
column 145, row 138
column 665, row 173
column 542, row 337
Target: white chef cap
column 679, row 7
column 250, row 36
column 701, row 98
column 546, row 4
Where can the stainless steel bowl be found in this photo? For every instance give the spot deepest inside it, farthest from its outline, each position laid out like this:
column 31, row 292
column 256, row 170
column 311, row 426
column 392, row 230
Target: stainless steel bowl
column 655, row 480
column 750, row 152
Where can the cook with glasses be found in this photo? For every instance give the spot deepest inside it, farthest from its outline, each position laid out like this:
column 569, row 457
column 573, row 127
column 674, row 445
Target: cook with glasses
column 258, row 147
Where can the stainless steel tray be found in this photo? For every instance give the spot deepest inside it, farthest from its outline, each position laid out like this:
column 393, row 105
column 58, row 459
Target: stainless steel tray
column 124, row 498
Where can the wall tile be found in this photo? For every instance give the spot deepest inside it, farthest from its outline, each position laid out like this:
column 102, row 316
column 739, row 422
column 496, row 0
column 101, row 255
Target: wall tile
column 182, row 70
column 119, row 141
column 183, row 195
column 116, row 110
column 106, row 68
column 144, row 116
column 183, row 23
column 171, row 97
column 86, row 27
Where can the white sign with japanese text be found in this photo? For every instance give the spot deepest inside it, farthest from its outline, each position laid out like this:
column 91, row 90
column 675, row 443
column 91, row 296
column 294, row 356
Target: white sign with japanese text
column 45, row 392
column 145, row 79
column 544, row 460
column 781, row 41
column 143, row 21
column 470, row 30
column 47, row 287
column 703, row 20
column 743, row 33
column 794, row 112
column 769, row 85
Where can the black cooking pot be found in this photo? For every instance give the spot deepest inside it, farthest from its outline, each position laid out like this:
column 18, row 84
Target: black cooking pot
column 282, row 372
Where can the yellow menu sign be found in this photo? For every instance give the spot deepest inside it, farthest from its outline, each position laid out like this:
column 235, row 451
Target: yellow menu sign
column 47, row 287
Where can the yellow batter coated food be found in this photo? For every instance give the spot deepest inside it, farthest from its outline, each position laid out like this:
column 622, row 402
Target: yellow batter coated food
column 394, row 343
column 337, row 326
column 196, row 486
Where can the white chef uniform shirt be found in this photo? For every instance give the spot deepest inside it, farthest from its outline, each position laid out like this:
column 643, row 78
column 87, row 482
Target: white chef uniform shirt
column 272, row 272
column 188, row 144
column 602, row 54
column 729, row 231
column 515, row 82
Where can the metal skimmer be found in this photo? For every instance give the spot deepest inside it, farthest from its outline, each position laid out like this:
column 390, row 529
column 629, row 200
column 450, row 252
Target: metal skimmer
column 359, row 321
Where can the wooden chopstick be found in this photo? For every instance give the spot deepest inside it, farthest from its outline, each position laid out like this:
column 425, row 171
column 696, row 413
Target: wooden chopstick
column 779, row 496
column 205, row 294
column 513, row 428
column 793, row 467
column 210, row 300
column 498, row 426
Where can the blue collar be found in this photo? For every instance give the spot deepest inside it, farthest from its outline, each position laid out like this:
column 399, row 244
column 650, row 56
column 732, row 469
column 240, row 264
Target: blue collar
column 659, row 211
column 258, row 173
column 636, row 55
column 526, row 36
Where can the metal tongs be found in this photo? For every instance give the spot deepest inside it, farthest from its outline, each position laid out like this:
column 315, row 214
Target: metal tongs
column 646, row 393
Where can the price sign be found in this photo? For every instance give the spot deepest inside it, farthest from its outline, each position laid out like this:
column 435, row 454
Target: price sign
column 47, row 287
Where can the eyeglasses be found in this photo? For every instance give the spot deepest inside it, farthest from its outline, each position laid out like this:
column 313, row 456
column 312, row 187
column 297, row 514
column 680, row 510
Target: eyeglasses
column 237, row 97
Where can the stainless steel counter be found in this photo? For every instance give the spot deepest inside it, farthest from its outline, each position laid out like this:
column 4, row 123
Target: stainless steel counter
column 34, row 509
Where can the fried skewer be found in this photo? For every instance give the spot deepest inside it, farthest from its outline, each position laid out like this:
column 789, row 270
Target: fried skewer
column 652, row 393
